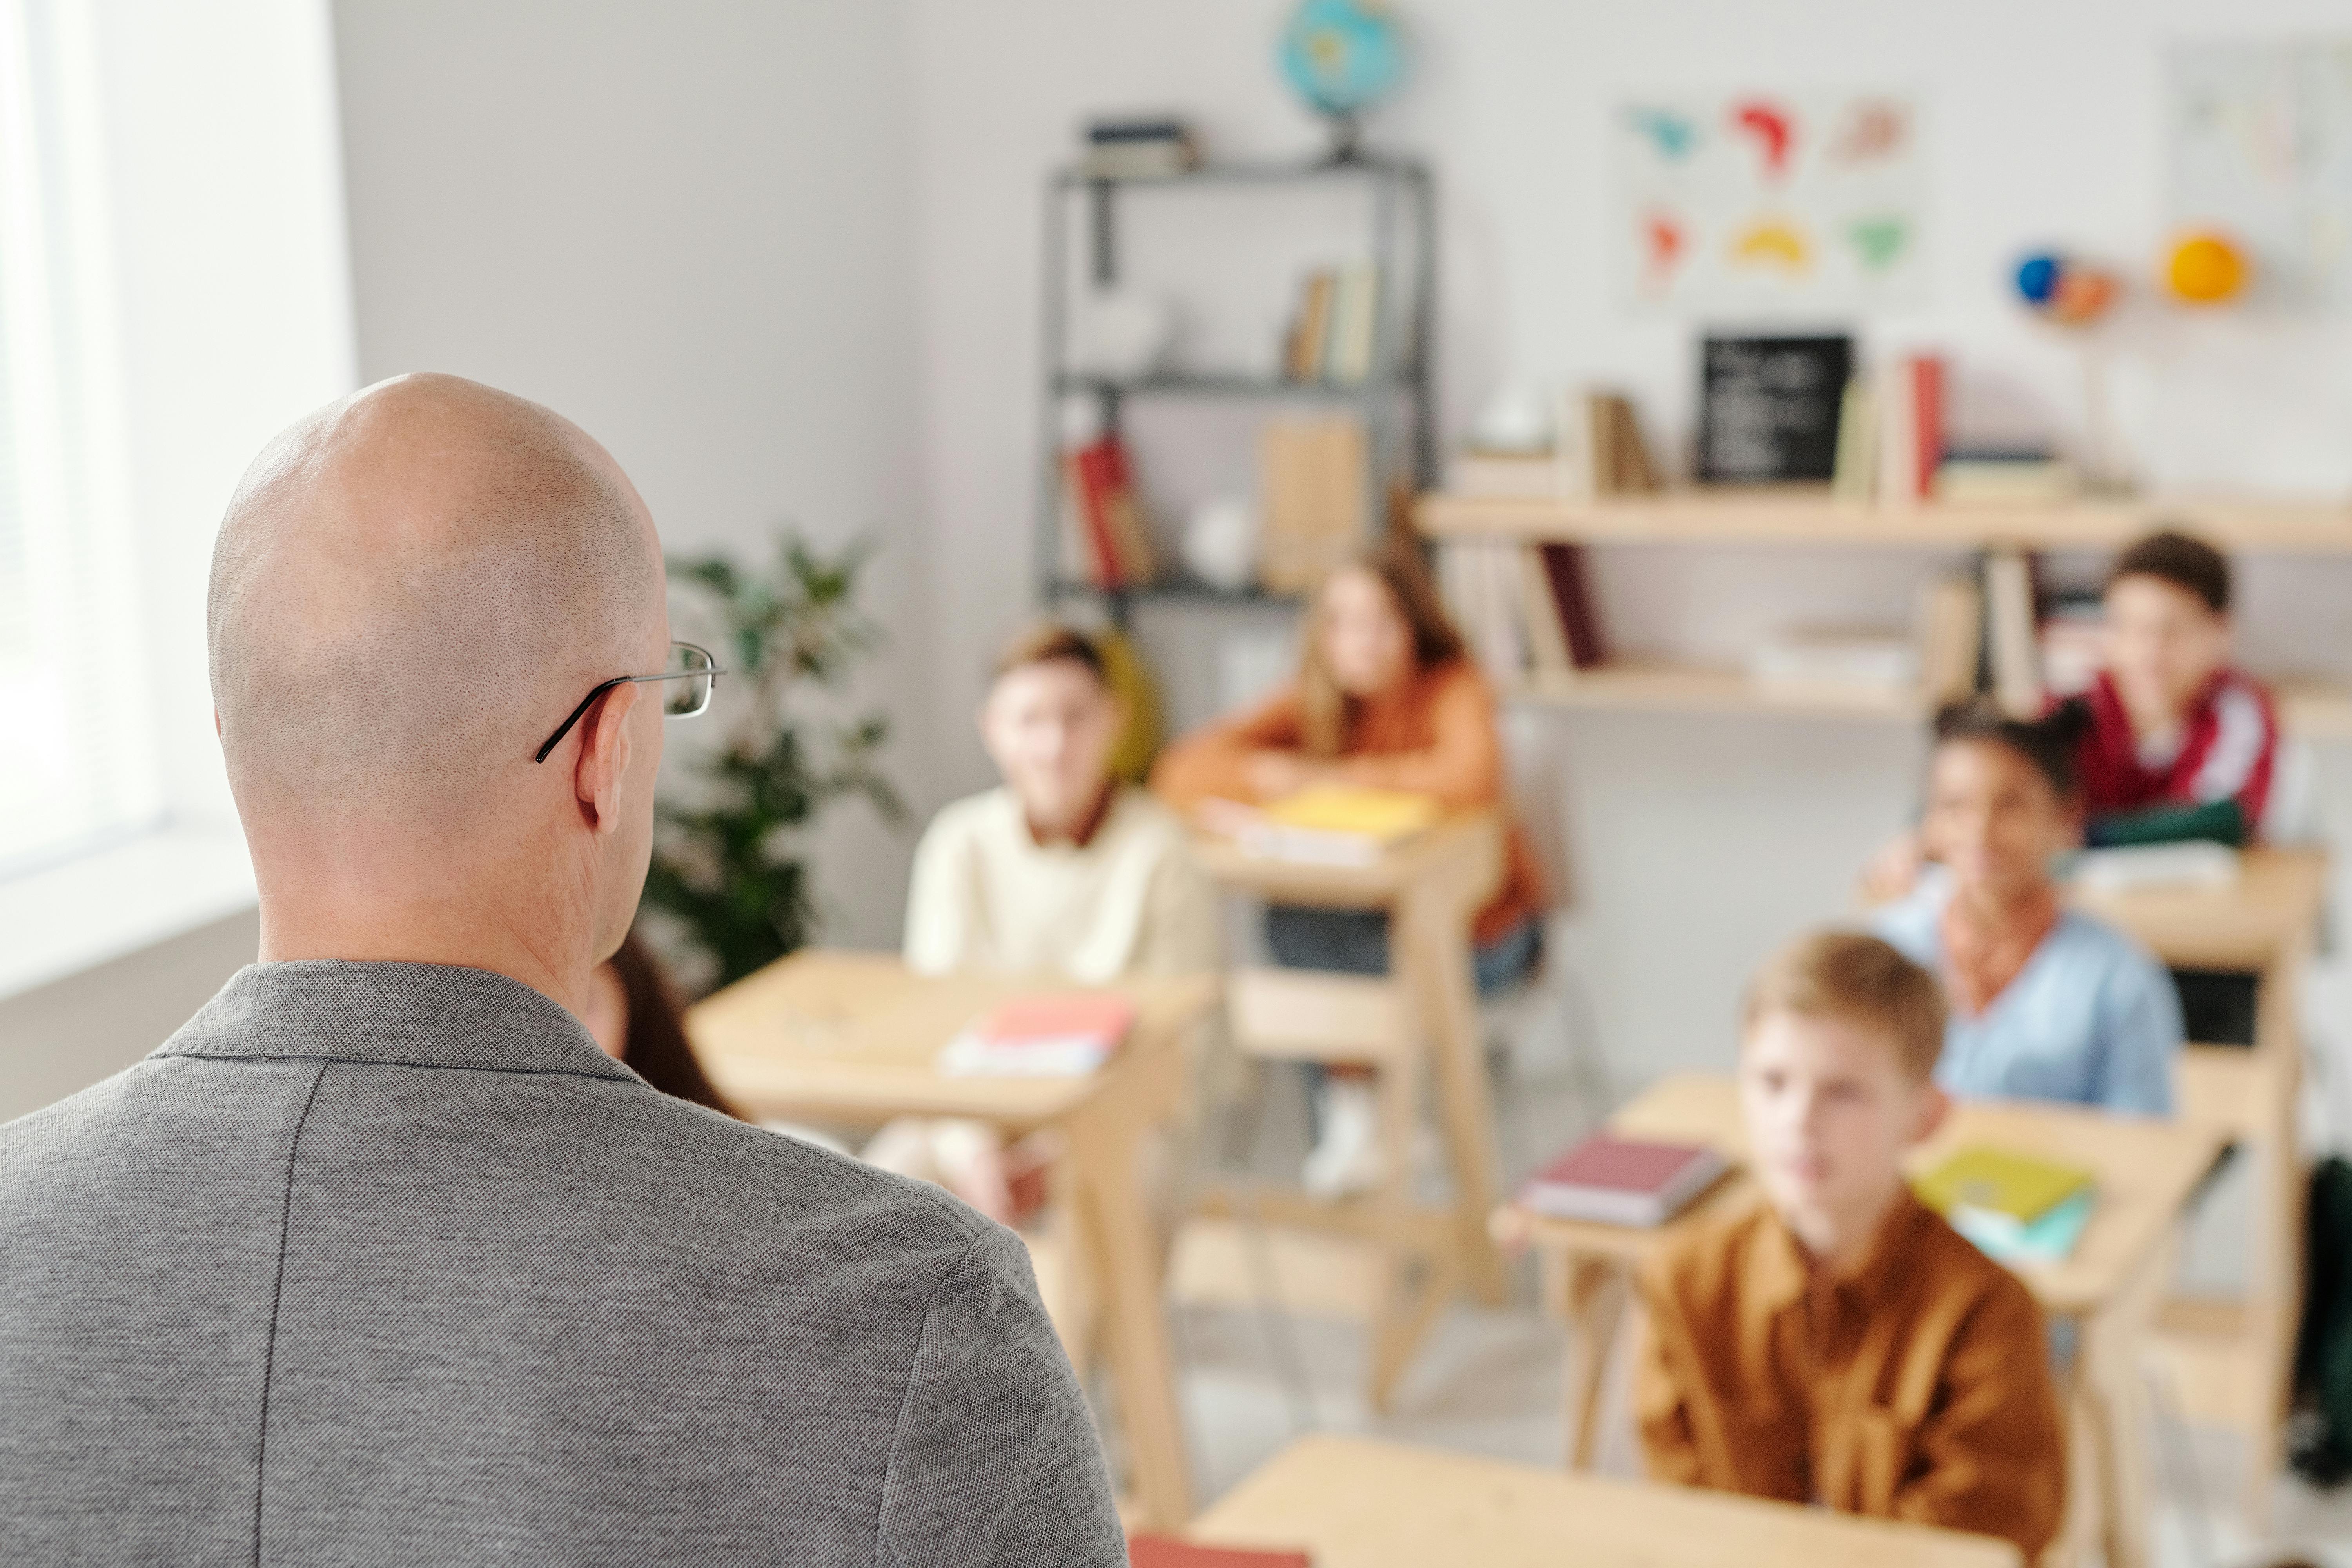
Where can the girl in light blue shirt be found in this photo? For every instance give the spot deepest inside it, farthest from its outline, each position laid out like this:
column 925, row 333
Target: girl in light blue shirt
column 2046, row 1004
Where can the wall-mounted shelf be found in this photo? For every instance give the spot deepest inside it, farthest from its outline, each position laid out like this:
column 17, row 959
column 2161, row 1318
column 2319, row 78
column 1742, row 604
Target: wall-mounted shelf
column 2313, row 710
column 1803, row 515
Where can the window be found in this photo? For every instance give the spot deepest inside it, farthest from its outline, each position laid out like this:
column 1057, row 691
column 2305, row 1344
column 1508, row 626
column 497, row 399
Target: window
column 77, row 768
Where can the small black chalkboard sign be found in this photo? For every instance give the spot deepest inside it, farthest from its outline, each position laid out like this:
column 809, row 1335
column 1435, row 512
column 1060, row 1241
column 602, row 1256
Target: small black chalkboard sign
column 1768, row 409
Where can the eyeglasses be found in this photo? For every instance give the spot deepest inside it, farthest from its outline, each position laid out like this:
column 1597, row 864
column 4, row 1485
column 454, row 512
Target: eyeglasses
column 693, row 667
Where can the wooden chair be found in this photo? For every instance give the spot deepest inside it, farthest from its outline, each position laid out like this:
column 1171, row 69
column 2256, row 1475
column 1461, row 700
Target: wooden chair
column 1381, row 1258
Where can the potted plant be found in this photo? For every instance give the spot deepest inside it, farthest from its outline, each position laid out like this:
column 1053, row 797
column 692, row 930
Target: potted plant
column 730, row 851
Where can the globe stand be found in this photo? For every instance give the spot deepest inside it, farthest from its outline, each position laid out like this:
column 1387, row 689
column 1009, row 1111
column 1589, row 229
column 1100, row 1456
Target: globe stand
column 1346, row 130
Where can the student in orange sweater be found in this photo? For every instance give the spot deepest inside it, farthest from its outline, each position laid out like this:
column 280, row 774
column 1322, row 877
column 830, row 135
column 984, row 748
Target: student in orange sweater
column 1840, row 1344
column 1385, row 698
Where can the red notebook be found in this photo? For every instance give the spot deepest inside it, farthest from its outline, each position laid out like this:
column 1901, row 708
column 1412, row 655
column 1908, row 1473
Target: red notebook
column 1167, row 1552
column 1623, row 1181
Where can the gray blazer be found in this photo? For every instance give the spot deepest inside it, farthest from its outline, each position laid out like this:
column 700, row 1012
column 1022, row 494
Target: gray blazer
column 378, row 1263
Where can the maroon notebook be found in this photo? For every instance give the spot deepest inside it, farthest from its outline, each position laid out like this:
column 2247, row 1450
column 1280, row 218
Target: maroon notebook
column 1623, row 1181
column 1167, row 1552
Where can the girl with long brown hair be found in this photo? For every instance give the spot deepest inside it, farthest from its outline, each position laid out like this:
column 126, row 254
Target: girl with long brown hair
column 1385, row 698
column 634, row 1013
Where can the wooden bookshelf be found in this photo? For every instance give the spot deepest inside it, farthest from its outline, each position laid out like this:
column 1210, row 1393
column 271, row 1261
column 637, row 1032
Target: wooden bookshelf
column 1809, row 515
column 2309, row 709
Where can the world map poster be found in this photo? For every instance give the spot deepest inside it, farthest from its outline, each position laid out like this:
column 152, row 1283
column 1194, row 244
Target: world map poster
column 1768, row 201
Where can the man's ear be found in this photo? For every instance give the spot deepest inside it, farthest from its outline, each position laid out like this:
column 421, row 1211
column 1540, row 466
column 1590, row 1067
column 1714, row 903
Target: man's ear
column 597, row 777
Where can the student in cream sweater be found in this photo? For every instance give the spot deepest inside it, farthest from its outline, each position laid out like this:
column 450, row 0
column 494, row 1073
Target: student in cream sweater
column 1062, row 870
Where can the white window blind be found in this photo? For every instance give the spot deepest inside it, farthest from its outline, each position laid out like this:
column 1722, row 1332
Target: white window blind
column 76, row 760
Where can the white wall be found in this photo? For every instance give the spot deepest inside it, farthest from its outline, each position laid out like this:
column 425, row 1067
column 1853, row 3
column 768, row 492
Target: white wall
column 686, row 228
column 1700, row 842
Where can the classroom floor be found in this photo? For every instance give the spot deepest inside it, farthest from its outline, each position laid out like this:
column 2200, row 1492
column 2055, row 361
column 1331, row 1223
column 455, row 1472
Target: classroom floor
column 1487, row 1381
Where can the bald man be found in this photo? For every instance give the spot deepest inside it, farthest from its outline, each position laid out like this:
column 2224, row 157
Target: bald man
column 381, row 1259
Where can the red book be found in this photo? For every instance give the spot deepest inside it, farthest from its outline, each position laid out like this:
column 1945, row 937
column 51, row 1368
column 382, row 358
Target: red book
column 1927, row 373
column 1167, row 1552
column 1097, row 476
column 1623, row 1181
column 1096, row 1015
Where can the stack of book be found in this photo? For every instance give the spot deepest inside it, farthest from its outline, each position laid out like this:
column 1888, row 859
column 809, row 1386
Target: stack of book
column 1336, row 825
column 1331, row 337
column 1609, row 1180
column 1838, row 656
column 2005, row 477
column 1524, row 608
column 1139, row 150
column 2018, row 1208
column 1055, row 1035
column 1112, row 543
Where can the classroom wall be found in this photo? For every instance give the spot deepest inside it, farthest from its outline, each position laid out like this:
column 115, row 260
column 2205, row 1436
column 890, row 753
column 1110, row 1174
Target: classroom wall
column 1700, row 842
column 687, row 227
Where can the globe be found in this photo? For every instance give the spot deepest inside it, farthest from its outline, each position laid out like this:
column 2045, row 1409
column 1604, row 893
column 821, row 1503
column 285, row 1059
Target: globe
column 1342, row 57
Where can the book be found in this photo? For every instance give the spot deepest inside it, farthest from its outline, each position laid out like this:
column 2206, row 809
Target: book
column 1837, row 656
column 1854, row 474
column 1052, row 1035
column 2048, row 1239
column 2009, row 632
column 1951, row 638
column 1623, row 1181
column 1102, row 488
column 1991, row 479
column 1336, row 825
column 1910, row 429
column 1139, row 149
column 1564, row 565
column 1548, row 641
column 1310, row 336
column 1355, row 323
column 1167, row 1552
column 1769, row 407
column 1312, row 497
column 2006, row 1190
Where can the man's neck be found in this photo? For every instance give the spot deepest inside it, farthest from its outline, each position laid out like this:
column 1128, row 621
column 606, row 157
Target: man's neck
column 305, row 923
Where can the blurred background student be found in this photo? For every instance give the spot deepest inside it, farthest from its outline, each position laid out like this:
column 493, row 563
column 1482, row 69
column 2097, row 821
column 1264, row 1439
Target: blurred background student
column 2046, row 1003
column 634, row 1013
column 1385, row 698
column 1061, row 869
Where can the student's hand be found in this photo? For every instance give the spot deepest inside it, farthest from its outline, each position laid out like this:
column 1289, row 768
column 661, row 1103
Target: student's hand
column 1273, row 774
column 1893, row 871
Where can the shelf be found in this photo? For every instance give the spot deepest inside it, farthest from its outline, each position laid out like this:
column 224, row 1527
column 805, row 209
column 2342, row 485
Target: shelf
column 1179, row 590
column 1232, row 387
column 2310, row 711
column 1804, row 515
column 1253, row 174
column 1646, row 686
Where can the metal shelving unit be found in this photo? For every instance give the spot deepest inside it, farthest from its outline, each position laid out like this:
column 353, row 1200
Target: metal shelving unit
column 1394, row 400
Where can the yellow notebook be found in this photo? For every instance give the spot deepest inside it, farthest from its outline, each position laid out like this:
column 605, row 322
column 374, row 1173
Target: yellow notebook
column 1386, row 814
column 2023, row 1187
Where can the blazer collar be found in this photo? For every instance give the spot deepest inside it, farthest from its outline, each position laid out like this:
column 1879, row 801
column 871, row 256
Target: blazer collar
column 418, row 1014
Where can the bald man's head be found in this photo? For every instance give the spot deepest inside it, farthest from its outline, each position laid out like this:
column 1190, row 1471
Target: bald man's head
column 412, row 587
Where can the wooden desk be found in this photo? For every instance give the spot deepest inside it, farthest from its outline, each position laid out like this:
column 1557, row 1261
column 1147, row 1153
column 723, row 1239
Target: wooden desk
column 853, row 1036
column 2233, row 1361
column 2109, row 1286
column 1433, row 886
column 1355, row 1502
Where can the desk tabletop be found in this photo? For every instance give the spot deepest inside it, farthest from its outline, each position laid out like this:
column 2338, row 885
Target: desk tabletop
column 854, row 1036
column 2145, row 1169
column 1465, row 844
column 2275, row 903
column 1357, row 1502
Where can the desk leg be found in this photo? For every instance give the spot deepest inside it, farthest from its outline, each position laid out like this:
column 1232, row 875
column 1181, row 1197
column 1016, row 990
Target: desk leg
column 2275, row 1290
column 1433, row 957
column 2110, row 1397
column 1589, row 1295
column 1118, row 1226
